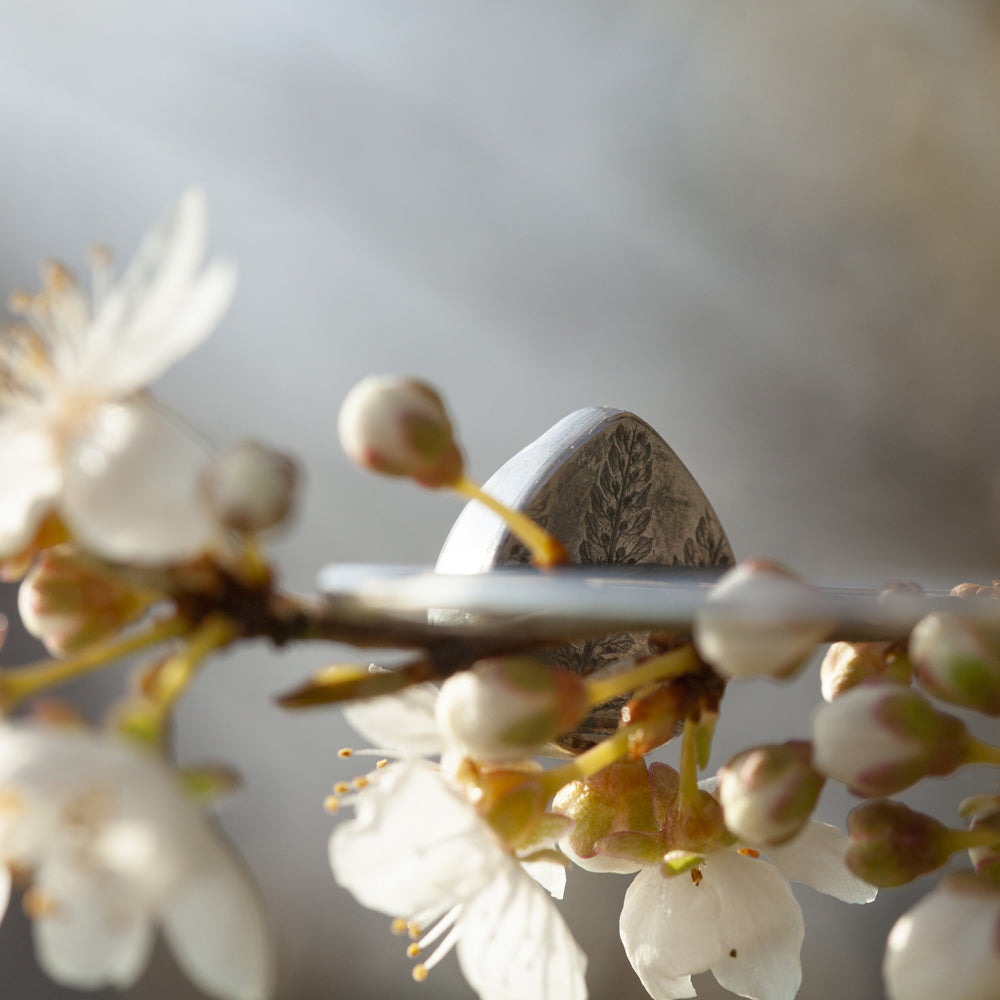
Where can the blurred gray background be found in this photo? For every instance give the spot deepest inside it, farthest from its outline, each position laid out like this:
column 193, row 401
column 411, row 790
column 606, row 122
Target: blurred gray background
column 771, row 229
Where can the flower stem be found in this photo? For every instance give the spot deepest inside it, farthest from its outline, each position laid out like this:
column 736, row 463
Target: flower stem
column 687, row 798
column 545, row 550
column 175, row 673
column 657, row 668
column 590, row 761
column 16, row 685
column 982, row 753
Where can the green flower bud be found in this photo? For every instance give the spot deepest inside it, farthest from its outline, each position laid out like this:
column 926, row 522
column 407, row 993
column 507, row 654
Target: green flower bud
column 957, row 662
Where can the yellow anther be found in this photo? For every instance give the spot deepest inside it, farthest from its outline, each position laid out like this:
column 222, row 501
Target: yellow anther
column 398, row 926
column 413, row 929
column 360, row 782
column 381, row 763
column 420, row 973
column 696, row 876
column 412, row 950
column 345, row 752
column 341, row 788
column 331, row 803
column 749, row 852
column 38, row 904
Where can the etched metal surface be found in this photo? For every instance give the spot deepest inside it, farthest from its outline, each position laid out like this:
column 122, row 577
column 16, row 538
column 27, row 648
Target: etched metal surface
column 612, row 490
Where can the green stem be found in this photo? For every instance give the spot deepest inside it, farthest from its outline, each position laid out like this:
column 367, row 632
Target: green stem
column 982, row 753
column 545, row 550
column 688, row 797
column 177, row 672
column 658, row 668
column 23, row 682
column 590, row 761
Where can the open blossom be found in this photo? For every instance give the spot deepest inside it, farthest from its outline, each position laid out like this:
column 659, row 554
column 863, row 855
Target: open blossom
column 418, row 850
column 114, row 847
column 76, row 435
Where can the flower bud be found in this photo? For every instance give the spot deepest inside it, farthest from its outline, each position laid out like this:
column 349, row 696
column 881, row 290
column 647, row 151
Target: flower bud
column 70, row 600
column 250, row 487
column 764, row 622
column 957, row 662
column 880, row 738
column 892, row 845
column 769, row 793
column 399, row 426
column 616, row 800
column 948, row 945
column 848, row 664
column 509, row 707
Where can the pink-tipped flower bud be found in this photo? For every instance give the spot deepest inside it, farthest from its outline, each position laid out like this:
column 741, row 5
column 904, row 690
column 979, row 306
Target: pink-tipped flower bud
column 250, row 487
column 759, row 620
column 880, row 738
column 948, row 945
column 957, row 662
column 399, row 426
column 768, row 793
column 70, row 600
column 892, row 845
column 847, row 664
column 509, row 707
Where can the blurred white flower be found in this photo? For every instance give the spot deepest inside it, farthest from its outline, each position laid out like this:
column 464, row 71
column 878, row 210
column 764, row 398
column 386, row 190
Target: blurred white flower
column 113, row 847
column 74, row 434
column 418, row 850
column 739, row 919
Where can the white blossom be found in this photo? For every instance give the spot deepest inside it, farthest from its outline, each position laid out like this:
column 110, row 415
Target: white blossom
column 739, row 920
column 418, row 850
column 76, row 434
column 948, row 945
column 114, row 847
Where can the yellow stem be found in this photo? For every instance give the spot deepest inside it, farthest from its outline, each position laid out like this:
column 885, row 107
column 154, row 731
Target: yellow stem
column 963, row 840
column 545, row 550
column 658, row 668
column 982, row 753
column 174, row 675
column 687, row 798
column 590, row 761
column 21, row 683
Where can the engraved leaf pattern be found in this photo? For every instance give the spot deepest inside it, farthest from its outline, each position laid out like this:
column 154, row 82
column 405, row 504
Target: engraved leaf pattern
column 709, row 547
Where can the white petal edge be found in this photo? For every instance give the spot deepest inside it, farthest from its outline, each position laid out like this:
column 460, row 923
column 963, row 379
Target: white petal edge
column 32, row 480
column 515, row 945
column 816, row 858
column 216, row 929
column 403, row 722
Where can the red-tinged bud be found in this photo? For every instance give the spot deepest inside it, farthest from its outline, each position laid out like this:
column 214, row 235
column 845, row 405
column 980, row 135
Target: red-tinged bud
column 70, row 600
column 509, row 707
column 948, row 945
column 957, row 662
column 892, row 845
column 768, row 793
column 847, row 664
column 759, row 620
column 399, row 426
column 250, row 487
column 880, row 738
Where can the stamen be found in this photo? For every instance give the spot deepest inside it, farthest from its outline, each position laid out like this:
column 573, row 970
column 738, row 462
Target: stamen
column 37, row 903
column 360, row 782
column 696, row 876
column 398, row 926
column 420, row 973
column 341, row 788
column 345, row 752
column 749, row 852
column 451, row 939
column 382, row 763
column 331, row 803
column 412, row 950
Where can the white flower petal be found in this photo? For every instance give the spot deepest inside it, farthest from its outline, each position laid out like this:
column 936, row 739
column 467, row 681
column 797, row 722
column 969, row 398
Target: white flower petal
column 32, row 480
column 95, row 935
column 217, row 931
column 760, row 928
column 550, row 875
column 133, row 487
column 669, row 927
column 816, row 858
column 515, row 945
column 402, row 722
column 414, row 845
column 599, row 862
